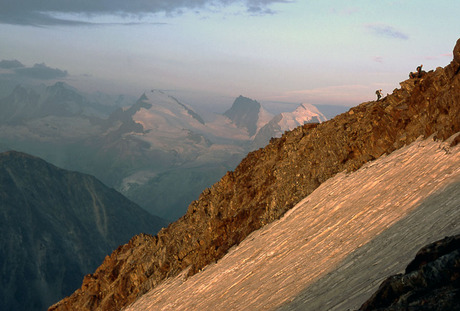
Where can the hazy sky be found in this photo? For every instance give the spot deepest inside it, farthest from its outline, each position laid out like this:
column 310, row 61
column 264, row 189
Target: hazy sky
column 321, row 51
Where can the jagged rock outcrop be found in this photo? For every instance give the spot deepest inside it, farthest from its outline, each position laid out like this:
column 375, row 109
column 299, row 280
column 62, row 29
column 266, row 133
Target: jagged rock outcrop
column 55, row 227
column 247, row 114
column 431, row 281
column 270, row 181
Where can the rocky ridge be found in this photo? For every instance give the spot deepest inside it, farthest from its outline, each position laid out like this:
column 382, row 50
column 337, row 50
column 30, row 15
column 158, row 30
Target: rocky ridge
column 248, row 114
column 270, row 181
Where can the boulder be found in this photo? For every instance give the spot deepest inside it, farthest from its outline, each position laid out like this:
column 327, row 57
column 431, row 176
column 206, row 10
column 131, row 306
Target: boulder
column 431, row 281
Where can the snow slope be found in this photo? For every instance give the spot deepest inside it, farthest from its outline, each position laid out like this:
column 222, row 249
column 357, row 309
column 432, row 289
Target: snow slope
column 389, row 208
column 166, row 111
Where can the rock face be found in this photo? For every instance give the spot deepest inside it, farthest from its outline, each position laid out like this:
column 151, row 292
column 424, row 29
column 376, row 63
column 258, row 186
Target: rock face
column 430, row 282
column 55, row 227
column 270, row 181
column 248, row 114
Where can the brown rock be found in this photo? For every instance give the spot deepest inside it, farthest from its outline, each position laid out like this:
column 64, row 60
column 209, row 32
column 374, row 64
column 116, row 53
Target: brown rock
column 270, row 181
column 457, row 52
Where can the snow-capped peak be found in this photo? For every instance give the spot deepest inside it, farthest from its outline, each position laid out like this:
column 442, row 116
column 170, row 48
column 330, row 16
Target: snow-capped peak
column 304, row 113
column 161, row 110
column 286, row 121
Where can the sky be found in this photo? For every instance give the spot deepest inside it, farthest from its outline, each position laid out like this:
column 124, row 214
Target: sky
column 319, row 52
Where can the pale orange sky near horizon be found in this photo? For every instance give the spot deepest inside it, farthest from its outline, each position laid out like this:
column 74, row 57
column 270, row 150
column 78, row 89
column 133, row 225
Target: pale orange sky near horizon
column 320, row 52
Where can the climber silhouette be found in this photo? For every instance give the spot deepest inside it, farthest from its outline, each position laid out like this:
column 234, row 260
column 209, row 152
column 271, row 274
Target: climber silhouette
column 419, row 70
column 379, row 94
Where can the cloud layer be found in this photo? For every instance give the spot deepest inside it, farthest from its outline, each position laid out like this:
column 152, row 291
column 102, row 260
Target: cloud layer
column 38, row 71
column 387, row 31
column 43, row 13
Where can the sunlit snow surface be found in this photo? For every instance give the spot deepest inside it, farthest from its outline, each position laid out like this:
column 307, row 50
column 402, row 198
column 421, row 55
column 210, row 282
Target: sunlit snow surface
column 303, row 114
column 264, row 118
column 168, row 118
column 333, row 249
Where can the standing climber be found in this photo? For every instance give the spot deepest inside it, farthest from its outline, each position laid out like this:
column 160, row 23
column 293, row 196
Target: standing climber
column 379, row 94
column 419, row 71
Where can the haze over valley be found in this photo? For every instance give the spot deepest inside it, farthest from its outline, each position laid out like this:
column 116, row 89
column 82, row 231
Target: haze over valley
column 157, row 151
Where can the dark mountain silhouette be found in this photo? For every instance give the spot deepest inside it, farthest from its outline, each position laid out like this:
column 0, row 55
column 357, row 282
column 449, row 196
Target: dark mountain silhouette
column 55, row 227
column 245, row 113
column 270, row 181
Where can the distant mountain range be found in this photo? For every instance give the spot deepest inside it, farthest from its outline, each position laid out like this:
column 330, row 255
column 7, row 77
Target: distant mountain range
column 158, row 151
column 59, row 100
column 55, row 227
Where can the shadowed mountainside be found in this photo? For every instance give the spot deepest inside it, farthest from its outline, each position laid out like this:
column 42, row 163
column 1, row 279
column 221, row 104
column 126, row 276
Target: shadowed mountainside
column 270, row 181
column 245, row 113
column 55, row 227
